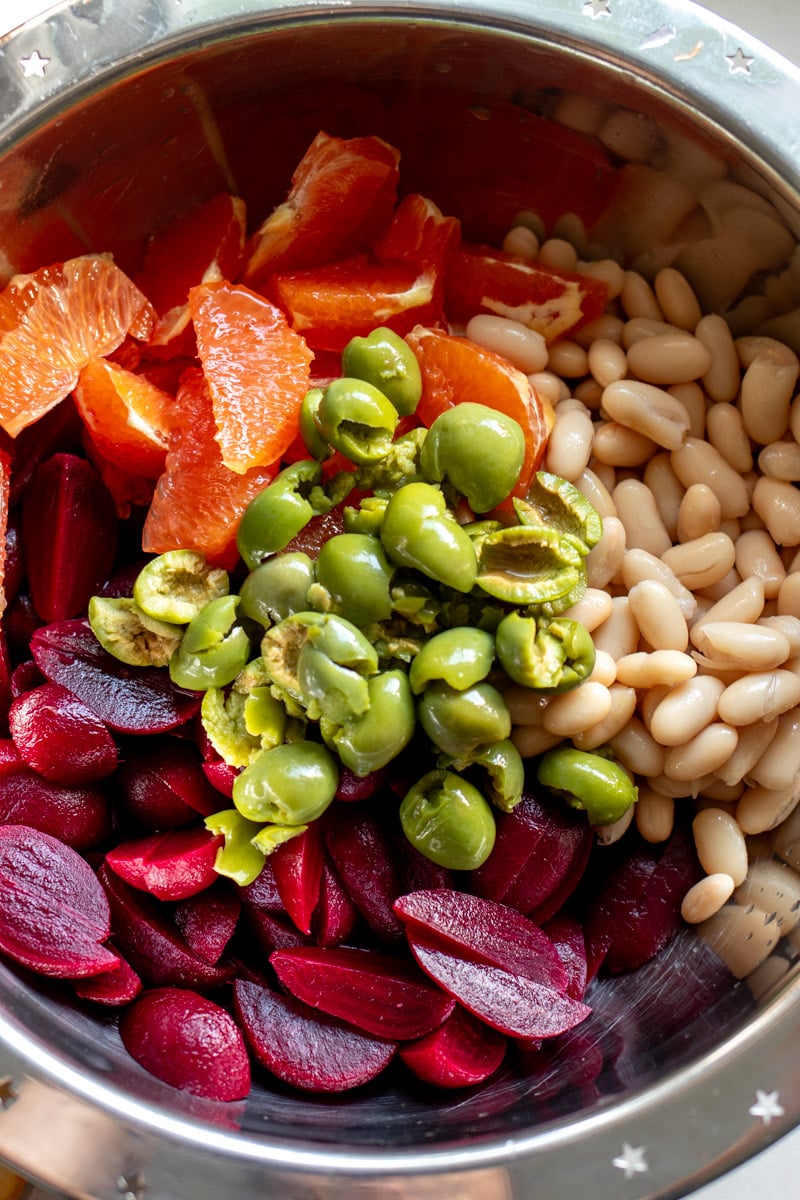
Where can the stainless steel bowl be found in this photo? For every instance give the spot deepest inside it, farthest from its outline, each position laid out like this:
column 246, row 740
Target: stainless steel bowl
column 114, row 114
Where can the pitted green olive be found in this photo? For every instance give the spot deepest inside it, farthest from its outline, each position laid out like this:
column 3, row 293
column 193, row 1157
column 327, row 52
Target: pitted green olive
column 313, row 440
column 370, row 741
column 214, row 649
column 357, row 419
column 531, row 565
column 238, row 859
column 557, row 504
column 419, row 532
column 291, row 784
column 131, row 635
column 175, row 586
column 478, row 450
column 588, row 781
column 278, row 513
column 461, row 657
column 461, row 723
column 277, row 588
column 448, row 820
column 386, row 361
column 355, row 572
column 551, row 655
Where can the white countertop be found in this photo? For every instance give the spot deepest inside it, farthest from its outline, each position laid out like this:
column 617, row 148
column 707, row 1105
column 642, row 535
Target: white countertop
column 775, row 1173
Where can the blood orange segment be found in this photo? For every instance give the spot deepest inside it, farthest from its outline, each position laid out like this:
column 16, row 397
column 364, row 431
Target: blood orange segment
column 329, row 305
column 480, row 280
column 418, row 233
column 198, row 501
column 455, row 369
column 258, row 371
column 205, row 245
column 52, row 323
column 342, row 195
column 127, row 417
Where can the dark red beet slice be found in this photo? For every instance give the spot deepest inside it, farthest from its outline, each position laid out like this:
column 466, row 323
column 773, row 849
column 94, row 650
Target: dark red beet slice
column 162, row 784
column 415, row 871
column 566, row 934
column 616, row 902
column 483, row 931
column 298, row 874
column 53, row 913
column 189, row 1042
column 353, row 788
column 221, row 776
column 263, row 891
column 10, row 759
column 362, row 855
column 208, row 921
column 518, row 833
column 79, row 816
column 58, row 431
column 151, row 943
column 69, row 530
column 381, row 995
column 114, row 988
column 556, row 862
column 305, row 1048
column 335, row 916
column 6, row 673
column 507, row 1002
column 60, row 738
column 460, row 1053
column 171, row 865
column 25, row 676
column 127, row 699
column 272, row 931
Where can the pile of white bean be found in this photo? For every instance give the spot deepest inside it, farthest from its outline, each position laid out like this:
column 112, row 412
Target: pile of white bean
column 686, row 439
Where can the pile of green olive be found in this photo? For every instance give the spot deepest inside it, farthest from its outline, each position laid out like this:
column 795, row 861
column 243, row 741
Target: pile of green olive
column 404, row 631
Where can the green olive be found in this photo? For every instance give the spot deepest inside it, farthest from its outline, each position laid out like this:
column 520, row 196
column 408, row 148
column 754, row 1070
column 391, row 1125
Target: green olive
column 131, row 635
column 551, row 655
column 557, row 504
column 313, row 440
column 479, row 450
column 355, row 572
column 588, row 781
column 461, row 723
column 277, row 588
column 504, row 768
column 270, row 837
column 461, row 657
column 419, row 532
column 368, row 517
column 367, row 742
column 449, row 821
column 278, row 513
column 357, row 419
column 531, row 565
column 291, row 784
column 386, row 361
column 238, row 859
column 175, row 586
column 214, row 649
column 328, row 689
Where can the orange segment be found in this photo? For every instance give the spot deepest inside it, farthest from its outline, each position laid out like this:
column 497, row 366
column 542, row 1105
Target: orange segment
column 258, row 372
column 342, row 195
column 418, row 233
column 455, row 369
column 198, row 501
column 52, row 323
column 127, row 416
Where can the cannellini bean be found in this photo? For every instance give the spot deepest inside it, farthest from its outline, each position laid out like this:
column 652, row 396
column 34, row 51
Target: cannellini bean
column 644, row 670
column 686, row 710
column 775, row 888
column 590, row 393
column 721, row 587
column 524, row 347
column 569, row 446
column 637, row 749
column 604, row 560
column 638, row 565
column 593, row 608
column 658, row 615
column 759, row 697
column 620, row 446
column 721, row 380
column 703, row 561
column 572, row 712
column 789, row 595
column 734, row 644
column 781, row 460
column 699, row 513
column 726, row 432
column 567, row 359
column 766, row 392
column 767, row 975
column 549, row 386
column 638, row 299
column 522, row 241
column 756, row 555
column 636, row 508
column 704, row 754
column 525, row 706
column 780, row 766
column 607, row 361
column 607, row 835
column 665, row 785
column 741, row 935
column 533, row 740
column 606, row 327
column 789, row 627
column 723, row 794
column 720, row 844
column 706, row 897
column 675, row 357
column 753, row 742
column 558, row 253
column 654, row 815
column 697, row 461
column 677, row 299
column 592, row 487
column 623, row 706
column 648, row 410
column 609, row 272
column 761, row 809
column 667, row 489
column 778, row 504
column 604, row 669
column 745, row 602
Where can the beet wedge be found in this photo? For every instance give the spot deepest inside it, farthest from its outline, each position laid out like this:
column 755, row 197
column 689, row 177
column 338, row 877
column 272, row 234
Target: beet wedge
column 189, row 1042
column 298, row 874
column 510, row 1003
column 54, row 915
column 208, row 920
column 112, row 989
column 303, row 1047
column 162, row 784
column 78, row 816
column 462, row 1052
column 378, row 994
column 335, row 916
column 362, row 855
column 483, row 931
column 170, row 866
column 60, row 738
column 127, row 699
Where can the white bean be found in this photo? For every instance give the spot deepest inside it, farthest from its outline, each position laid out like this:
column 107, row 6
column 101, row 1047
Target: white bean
column 648, row 410
column 658, row 615
column 753, row 742
column 638, row 565
column 636, row 508
column 524, row 347
column 780, row 766
column 572, row 712
column 667, row 358
column 645, row 670
column 703, row 754
column 759, row 697
column 697, row 461
column 686, row 710
column 604, row 560
column 720, row 844
column 761, row 809
column 623, row 706
column 706, row 897
column 734, row 644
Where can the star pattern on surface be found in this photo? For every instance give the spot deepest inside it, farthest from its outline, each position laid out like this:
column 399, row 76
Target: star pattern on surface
column 632, row 1160
column 131, row 1186
column 8, row 1093
column 597, row 8
column 739, row 62
column 767, row 1106
column 34, row 65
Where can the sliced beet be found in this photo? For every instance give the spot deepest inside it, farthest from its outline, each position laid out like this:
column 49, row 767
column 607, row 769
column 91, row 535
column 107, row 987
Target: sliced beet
column 189, row 1042
column 566, row 934
column 26, row 675
column 298, row 874
column 6, row 668
column 263, row 891
column 335, row 916
column 462, row 1052
column 54, row 916
column 305, row 1048
column 151, row 942
column 69, row 531
column 208, row 920
column 510, row 1003
column 616, row 903
column 170, row 865
column 378, row 994
column 518, row 833
column 221, row 776
column 362, row 854
column 415, row 870
column 162, row 784
column 10, row 759
column 484, row 931
column 112, row 989
column 127, row 699
column 272, row 930
column 60, row 738
column 557, row 860
column 353, row 788
column 79, row 816
column 58, row 431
